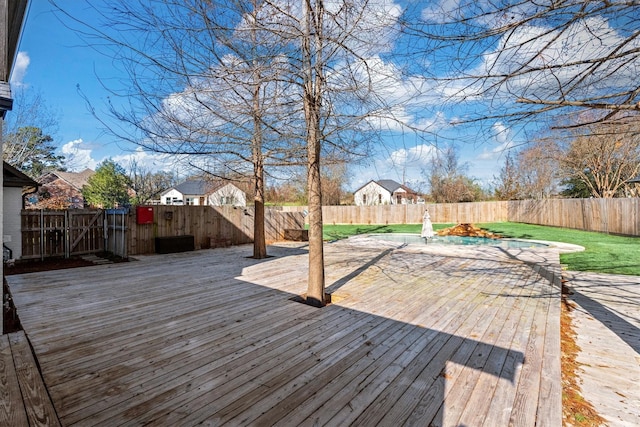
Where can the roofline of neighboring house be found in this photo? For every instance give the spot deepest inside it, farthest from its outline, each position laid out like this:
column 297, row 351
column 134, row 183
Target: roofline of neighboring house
column 370, row 181
column 404, row 187
column 213, row 190
column 56, row 173
column 407, row 189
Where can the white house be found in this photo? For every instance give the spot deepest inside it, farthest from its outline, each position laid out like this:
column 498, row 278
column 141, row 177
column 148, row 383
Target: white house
column 384, row 192
column 15, row 184
column 200, row 192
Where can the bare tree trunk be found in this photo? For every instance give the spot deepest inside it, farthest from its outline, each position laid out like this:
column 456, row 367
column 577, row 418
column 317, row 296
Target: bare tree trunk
column 315, row 287
column 259, row 242
column 313, row 86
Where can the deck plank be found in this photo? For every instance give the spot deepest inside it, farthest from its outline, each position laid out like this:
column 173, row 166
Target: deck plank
column 38, row 406
column 416, row 335
column 12, row 410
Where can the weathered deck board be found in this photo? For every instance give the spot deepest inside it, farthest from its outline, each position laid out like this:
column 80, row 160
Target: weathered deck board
column 38, row 407
column 606, row 317
column 419, row 335
column 25, row 401
column 12, row 411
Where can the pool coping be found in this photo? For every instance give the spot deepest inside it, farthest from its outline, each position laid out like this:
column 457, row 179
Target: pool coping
column 562, row 247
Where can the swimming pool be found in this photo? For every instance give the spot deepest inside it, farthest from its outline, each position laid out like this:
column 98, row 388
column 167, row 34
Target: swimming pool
column 457, row 240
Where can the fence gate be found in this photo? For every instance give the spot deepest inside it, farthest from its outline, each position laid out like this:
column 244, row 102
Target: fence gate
column 52, row 233
column 115, row 228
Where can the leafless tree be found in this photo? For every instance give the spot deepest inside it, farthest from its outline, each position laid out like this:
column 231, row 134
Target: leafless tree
column 345, row 91
column 508, row 182
column 206, row 79
column 27, row 134
column 538, row 169
column 259, row 84
column 334, row 178
column 533, row 60
column 146, row 184
column 603, row 160
column 448, row 179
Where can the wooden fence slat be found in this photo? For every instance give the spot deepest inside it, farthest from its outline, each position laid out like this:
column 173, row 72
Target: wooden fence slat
column 41, row 229
column 85, row 229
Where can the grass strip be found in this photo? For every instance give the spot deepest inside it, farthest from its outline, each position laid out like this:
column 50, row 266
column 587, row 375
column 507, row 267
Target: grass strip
column 604, row 253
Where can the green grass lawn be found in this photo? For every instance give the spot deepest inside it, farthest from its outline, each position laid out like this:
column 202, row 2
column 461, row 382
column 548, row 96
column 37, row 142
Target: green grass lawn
column 604, row 253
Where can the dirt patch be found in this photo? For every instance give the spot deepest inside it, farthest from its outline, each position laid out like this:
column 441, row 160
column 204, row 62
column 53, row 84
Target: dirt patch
column 576, row 411
column 33, row 266
column 467, row 230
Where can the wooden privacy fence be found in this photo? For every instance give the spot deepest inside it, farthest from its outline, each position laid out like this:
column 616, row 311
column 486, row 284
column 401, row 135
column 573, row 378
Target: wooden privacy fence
column 62, row 233
column 205, row 223
column 411, row 214
column 76, row 232
column 58, row 233
column 616, row 216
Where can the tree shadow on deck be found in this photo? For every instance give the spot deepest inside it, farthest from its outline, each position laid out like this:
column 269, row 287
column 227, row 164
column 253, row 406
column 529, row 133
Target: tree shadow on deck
column 236, row 350
column 601, row 306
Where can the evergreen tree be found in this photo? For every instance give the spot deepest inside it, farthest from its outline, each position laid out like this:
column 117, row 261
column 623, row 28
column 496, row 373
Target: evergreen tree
column 108, row 188
column 31, row 150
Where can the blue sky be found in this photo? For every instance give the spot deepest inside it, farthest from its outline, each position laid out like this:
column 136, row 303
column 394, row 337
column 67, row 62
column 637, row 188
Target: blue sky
column 53, row 60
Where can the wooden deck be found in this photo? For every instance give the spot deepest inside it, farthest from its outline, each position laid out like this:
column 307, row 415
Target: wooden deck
column 606, row 319
column 415, row 336
column 25, row 401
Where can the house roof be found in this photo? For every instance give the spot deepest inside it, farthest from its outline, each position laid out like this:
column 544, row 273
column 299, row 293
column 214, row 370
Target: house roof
column 197, row 187
column 390, row 185
column 13, row 177
column 75, row 179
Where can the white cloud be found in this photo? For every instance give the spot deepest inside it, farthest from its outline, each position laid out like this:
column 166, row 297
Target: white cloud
column 418, row 156
column 441, row 12
column 20, row 68
column 543, row 62
column 402, row 164
column 147, row 160
column 503, row 137
column 78, row 155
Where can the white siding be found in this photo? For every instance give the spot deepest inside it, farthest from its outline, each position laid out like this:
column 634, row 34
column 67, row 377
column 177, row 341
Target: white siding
column 229, row 194
column 372, row 194
column 12, row 206
column 172, row 195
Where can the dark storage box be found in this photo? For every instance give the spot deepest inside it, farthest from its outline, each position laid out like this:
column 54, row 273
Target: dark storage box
column 167, row 245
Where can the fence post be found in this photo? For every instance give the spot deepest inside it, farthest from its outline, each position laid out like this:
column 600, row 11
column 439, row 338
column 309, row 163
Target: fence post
column 67, row 234
column 41, row 234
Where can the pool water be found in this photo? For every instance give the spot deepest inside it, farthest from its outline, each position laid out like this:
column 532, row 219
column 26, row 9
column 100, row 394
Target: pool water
column 457, row 240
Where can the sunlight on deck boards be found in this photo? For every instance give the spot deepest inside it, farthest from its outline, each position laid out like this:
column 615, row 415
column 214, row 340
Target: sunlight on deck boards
column 448, row 336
